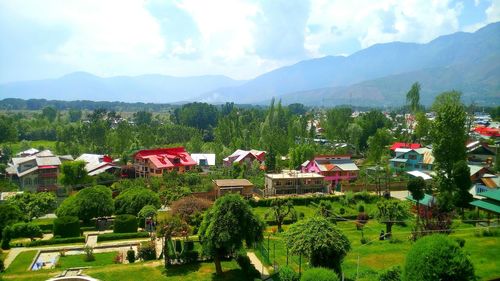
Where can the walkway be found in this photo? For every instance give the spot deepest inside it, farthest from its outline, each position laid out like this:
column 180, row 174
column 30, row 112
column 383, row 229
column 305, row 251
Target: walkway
column 258, row 265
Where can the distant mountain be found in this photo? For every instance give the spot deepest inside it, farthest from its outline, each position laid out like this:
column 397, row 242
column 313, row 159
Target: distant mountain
column 379, row 75
column 145, row 88
column 383, row 73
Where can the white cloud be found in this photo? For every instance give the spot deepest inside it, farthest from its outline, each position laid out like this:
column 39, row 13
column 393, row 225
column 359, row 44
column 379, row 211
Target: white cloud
column 124, row 37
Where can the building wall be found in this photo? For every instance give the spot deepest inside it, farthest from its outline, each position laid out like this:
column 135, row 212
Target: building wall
column 293, row 186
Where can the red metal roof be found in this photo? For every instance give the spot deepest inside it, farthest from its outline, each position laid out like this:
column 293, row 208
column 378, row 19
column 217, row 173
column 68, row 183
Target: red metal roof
column 47, row 167
column 166, row 157
column 404, row 145
column 486, row 131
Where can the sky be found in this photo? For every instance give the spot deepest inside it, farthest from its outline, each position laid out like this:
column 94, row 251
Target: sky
column 237, row 38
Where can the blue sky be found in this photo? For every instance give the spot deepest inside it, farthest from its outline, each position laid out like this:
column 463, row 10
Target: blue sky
column 237, row 38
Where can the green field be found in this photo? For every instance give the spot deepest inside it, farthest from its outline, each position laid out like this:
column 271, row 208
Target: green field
column 21, row 262
column 17, row 146
column 101, row 259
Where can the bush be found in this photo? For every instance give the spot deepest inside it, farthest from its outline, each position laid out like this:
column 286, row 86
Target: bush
column 133, row 199
column 119, row 236
column 67, row 227
column 125, row 224
column 2, row 266
column 25, row 230
column 147, row 251
column 6, row 236
column 319, row 274
column 288, row 274
column 54, row 241
column 178, row 246
column 188, row 245
column 246, row 266
column 460, row 241
column 437, row 257
column 118, row 258
column 89, row 254
column 131, row 255
column 392, row 274
column 190, row 256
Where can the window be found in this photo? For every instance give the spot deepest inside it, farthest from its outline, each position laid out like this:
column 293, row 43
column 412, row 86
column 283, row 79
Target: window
column 412, row 156
column 177, row 160
column 278, row 182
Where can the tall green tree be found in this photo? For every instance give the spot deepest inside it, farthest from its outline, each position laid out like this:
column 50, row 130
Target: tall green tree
column 50, row 113
column 133, row 199
column 73, row 174
column 226, row 225
column 74, row 115
column 416, row 187
column 448, row 142
column 88, row 203
column 422, row 128
column 299, row 154
column 463, row 183
column 317, row 239
column 413, row 98
column 337, row 122
column 377, row 145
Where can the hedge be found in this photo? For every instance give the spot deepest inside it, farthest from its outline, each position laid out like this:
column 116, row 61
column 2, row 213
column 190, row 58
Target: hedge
column 56, row 241
column 304, row 201
column 67, row 227
column 118, row 236
column 125, row 224
column 87, row 228
column 46, row 227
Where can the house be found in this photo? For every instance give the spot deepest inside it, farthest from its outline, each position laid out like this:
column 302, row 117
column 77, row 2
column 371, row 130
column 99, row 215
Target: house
column 245, row 156
column 204, row 159
column 293, row 182
column 28, row 152
column 478, row 152
column 489, row 203
column 487, row 132
column 241, row 186
column 37, row 172
column 334, row 168
column 420, row 159
column 415, row 174
column 154, row 162
column 97, row 163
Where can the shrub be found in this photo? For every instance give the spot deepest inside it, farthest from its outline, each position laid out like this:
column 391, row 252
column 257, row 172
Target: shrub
column 147, row 251
column 178, row 246
column 392, row 274
column 288, row 274
column 342, row 211
column 131, row 255
column 54, row 241
column 460, row 241
column 361, row 208
column 437, row 257
column 67, row 227
column 89, row 254
column 133, row 199
column 319, row 274
column 119, row 236
column 6, row 236
column 125, row 224
column 118, row 258
column 26, row 230
column 363, row 240
column 246, row 266
column 2, row 266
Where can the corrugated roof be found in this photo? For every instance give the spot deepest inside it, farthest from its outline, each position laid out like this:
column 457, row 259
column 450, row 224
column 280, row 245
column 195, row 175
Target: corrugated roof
column 491, row 194
column 489, row 205
column 419, row 174
column 491, row 182
column 428, row 200
column 233, row 182
column 210, row 157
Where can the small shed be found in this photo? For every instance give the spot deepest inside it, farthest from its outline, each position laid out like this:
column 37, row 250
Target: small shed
column 241, row 186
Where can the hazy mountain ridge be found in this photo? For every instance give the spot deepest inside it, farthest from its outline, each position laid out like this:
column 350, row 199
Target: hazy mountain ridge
column 144, row 88
column 336, row 77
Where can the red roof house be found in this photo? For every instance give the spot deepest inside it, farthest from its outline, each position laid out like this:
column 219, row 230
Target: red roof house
column 396, row 145
column 487, row 132
column 153, row 162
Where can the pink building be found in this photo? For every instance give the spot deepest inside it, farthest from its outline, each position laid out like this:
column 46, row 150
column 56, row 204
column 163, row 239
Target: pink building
column 334, row 168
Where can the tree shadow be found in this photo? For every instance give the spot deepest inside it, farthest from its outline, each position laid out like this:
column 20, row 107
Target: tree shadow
column 182, row 269
column 233, row 274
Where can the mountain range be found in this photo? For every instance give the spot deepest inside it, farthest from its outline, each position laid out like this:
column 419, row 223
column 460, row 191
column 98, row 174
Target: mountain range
column 379, row 75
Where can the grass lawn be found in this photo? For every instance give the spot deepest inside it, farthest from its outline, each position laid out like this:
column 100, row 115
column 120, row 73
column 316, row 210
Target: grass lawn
column 21, row 262
column 152, row 270
column 381, row 255
column 77, row 260
column 16, row 146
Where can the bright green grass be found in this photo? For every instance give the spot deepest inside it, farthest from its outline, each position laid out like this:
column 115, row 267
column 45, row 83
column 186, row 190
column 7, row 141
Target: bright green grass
column 381, row 255
column 146, row 271
column 101, row 259
column 21, row 262
column 16, row 146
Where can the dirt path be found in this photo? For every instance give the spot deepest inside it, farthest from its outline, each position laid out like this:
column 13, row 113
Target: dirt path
column 264, row 273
